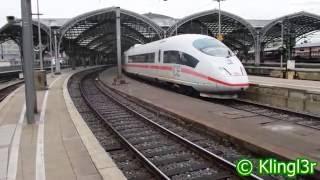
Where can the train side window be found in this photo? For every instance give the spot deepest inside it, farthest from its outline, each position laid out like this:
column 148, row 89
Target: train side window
column 151, row 58
column 130, row 59
column 171, row 57
column 142, row 58
column 188, row 60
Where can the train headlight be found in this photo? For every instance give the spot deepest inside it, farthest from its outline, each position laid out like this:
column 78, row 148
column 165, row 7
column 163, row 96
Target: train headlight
column 225, row 71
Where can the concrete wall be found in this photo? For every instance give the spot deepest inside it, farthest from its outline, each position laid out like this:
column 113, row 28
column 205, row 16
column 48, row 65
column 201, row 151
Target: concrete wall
column 315, row 76
column 269, row 72
column 300, row 100
column 278, row 73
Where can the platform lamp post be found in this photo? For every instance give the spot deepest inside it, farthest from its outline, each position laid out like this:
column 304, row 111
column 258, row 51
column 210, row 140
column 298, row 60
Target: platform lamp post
column 282, row 43
column 56, row 53
column 50, row 46
column 39, row 34
column 27, row 49
column 165, row 31
column 118, row 31
column 219, row 26
column 2, row 51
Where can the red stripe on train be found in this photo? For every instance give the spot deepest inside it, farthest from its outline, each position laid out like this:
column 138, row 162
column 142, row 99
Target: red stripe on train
column 168, row 68
column 187, row 71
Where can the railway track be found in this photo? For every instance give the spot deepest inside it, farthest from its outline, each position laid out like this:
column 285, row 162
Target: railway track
column 165, row 153
column 130, row 166
column 305, row 119
column 7, row 90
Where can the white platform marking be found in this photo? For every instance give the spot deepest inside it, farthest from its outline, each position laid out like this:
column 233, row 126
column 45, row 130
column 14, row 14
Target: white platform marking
column 6, row 134
column 4, row 153
column 40, row 164
column 14, row 151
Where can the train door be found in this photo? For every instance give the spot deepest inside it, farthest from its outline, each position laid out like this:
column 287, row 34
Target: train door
column 159, row 63
column 177, row 66
column 171, row 59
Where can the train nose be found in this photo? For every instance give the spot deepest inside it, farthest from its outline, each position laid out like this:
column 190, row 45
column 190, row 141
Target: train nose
column 233, row 71
column 233, row 67
column 234, row 80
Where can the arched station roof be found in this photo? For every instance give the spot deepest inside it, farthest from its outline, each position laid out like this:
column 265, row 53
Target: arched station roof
column 295, row 25
column 238, row 33
column 13, row 31
column 96, row 31
column 163, row 21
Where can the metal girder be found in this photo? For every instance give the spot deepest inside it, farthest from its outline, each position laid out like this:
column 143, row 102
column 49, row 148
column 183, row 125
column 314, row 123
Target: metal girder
column 104, row 38
column 235, row 44
column 237, row 32
column 92, row 36
column 99, row 40
column 87, row 25
column 13, row 31
column 301, row 23
column 126, row 40
column 96, row 30
column 207, row 14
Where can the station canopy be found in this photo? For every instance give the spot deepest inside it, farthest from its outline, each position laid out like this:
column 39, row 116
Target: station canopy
column 237, row 33
column 163, row 21
column 294, row 26
column 95, row 32
column 13, row 31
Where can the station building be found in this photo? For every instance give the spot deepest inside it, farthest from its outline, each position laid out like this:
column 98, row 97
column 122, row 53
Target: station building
column 92, row 35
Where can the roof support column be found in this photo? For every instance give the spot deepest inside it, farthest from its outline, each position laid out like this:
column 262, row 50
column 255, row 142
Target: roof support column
column 73, row 61
column 118, row 31
column 91, row 60
column 96, row 59
column 27, row 48
column 56, row 54
column 257, row 49
column 83, row 61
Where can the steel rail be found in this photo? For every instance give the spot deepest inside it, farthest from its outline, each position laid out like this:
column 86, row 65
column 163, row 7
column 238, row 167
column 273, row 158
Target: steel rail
column 196, row 148
column 4, row 92
column 277, row 110
column 144, row 159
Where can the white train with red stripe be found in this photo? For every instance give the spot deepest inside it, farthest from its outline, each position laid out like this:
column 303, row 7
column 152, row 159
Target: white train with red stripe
column 190, row 61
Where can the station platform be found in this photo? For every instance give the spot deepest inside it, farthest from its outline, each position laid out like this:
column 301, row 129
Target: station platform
column 283, row 138
column 312, row 86
column 307, row 73
column 59, row 145
column 296, row 95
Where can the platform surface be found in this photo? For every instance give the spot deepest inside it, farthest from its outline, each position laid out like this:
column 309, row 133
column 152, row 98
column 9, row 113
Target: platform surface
column 52, row 148
column 286, row 139
column 286, row 83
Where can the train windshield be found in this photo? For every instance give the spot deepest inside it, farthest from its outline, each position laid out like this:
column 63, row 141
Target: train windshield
column 212, row 47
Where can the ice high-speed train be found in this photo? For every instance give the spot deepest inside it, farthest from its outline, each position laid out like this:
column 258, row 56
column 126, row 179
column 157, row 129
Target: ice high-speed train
column 189, row 61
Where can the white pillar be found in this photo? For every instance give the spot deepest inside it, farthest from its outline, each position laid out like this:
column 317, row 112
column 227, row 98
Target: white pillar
column 56, row 54
column 27, row 48
column 118, row 30
column 257, row 49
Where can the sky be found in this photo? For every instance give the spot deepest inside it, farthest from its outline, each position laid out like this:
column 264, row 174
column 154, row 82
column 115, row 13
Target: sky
column 248, row 9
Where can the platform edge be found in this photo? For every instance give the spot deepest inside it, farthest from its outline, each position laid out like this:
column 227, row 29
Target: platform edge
column 8, row 98
column 107, row 169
